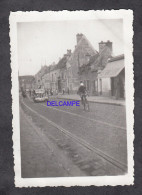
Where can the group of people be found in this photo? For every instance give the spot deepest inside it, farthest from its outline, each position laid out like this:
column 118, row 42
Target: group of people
column 81, row 91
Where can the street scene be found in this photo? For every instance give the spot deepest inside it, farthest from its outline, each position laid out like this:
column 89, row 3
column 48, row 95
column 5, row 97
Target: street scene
column 73, row 64
column 70, row 142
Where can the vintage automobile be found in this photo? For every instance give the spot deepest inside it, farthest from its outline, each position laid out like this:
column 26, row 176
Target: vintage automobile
column 40, row 96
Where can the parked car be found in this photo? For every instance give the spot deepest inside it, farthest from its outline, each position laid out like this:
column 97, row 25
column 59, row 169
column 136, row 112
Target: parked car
column 40, row 96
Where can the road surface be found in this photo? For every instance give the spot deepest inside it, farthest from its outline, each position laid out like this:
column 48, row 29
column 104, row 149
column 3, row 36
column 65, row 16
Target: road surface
column 66, row 141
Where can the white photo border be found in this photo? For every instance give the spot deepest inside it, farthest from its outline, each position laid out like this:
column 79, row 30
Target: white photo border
column 34, row 16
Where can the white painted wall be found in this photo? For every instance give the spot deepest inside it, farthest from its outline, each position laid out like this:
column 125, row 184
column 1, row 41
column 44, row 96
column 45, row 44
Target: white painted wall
column 106, row 84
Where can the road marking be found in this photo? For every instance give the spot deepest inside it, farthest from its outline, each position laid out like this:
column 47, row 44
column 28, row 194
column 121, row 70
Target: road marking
column 82, row 142
column 96, row 121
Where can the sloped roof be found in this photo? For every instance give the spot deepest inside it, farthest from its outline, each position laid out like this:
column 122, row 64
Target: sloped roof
column 79, row 43
column 90, row 45
column 93, row 59
column 26, row 77
column 112, row 69
column 97, row 59
column 51, row 68
column 45, row 68
column 62, row 63
column 115, row 58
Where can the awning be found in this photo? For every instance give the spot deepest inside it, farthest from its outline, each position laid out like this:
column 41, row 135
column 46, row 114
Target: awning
column 112, row 69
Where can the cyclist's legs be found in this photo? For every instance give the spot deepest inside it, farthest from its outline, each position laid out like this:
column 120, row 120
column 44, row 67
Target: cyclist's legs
column 81, row 98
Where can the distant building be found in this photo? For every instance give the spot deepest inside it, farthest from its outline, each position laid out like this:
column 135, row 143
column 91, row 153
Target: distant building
column 63, row 76
column 55, row 77
column 39, row 75
column 54, row 74
column 112, row 78
column 46, row 79
column 26, row 82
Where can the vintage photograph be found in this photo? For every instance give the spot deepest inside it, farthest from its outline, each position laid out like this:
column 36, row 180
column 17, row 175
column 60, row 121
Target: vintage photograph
column 72, row 90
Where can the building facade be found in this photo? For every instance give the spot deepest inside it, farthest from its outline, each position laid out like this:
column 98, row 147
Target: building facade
column 112, row 78
column 63, row 73
column 87, row 65
column 89, row 72
column 38, row 77
column 80, row 56
column 26, row 82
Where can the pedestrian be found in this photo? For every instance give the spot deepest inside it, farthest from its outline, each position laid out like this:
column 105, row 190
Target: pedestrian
column 63, row 91
column 51, row 92
column 56, row 92
column 68, row 91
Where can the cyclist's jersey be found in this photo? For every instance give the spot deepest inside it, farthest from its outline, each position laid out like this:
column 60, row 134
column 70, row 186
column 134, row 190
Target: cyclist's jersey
column 82, row 90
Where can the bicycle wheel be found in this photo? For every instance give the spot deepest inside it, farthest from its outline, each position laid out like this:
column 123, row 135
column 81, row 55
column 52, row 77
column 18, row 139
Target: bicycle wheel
column 87, row 107
column 83, row 103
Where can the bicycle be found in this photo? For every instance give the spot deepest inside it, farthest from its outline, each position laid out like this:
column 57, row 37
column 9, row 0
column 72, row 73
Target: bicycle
column 85, row 102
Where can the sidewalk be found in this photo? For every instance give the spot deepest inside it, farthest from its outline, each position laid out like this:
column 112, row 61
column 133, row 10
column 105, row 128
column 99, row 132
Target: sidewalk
column 95, row 99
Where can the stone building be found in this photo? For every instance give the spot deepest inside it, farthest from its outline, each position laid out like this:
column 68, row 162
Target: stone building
column 88, row 72
column 83, row 64
column 80, row 56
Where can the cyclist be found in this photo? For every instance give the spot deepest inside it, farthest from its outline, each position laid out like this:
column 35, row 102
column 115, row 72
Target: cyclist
column 82, row 90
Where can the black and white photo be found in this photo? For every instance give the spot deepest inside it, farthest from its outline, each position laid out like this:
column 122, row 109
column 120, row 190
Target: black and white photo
column 72, row 91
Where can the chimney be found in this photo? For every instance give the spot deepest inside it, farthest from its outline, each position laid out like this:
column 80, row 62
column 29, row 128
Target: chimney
column 103, row 44
column 78, row 37
column 109, row 45
column 68, row 52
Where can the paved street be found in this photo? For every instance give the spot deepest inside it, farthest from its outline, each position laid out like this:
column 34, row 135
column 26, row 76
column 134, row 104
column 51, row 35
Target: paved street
column 97, row 99
column 37, row 156
column 48, row 134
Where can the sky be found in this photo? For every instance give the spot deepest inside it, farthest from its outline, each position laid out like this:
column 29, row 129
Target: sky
column 42, row 43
